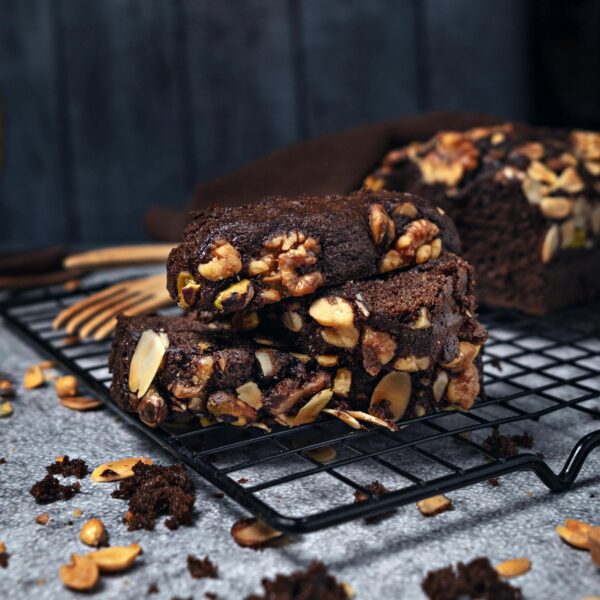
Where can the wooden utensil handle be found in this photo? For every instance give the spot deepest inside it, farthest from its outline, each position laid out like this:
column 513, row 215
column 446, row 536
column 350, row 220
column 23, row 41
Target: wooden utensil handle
column 118, row 256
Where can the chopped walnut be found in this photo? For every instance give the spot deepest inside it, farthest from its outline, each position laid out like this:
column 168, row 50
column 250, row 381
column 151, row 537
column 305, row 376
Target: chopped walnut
column 586, row 144
column 378, row 348
column 416, row 235
column 464, row 387
column 226, row 262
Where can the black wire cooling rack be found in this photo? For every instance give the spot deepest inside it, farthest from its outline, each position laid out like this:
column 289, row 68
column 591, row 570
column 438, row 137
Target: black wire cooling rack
column 302, row 479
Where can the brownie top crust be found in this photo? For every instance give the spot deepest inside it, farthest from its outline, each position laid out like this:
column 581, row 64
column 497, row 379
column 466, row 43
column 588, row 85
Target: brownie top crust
column 233, row 259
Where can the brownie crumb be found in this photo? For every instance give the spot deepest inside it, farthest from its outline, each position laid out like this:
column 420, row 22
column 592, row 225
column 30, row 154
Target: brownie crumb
column 152, row 589
column 210, row 596
column 377, row 489
column 108, row 473
column 504, row 446
column 69, row 467
column 4, row 556
column 242, row 480
column 219, row 495
column 495, row 362
column 525, row 440
column 2, row 460
column 477, row 579
column 49, row 490
column 156, row 490
column 315, row 582
column 201, row 567
column 494, row 482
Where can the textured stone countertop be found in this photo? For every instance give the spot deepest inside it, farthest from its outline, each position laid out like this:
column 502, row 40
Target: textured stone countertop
column 386, row 560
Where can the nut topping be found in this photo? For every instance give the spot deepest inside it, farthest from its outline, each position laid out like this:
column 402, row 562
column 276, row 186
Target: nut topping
column 252, row 533
column 332, row 311
column 93, row 533
column 429, row 507
column 550, row 245
column 405, row 209
column 466, row 355
column 226, row 262
column 342, row 382
column 586, row 144
column 81, row 574
column 229, row 409
column 513, row 567
column 115, row 558
column 372, row 419
column 391, row 395
column 66, row 386
column 556, row 208
column 327, row 360
column 81, row 403
column 250, row 393
column 34, row 377
column 345, row 337
column 6, row 409
column 117, row 469
column 416, row 234
column 235, row 297
column 423, row 320
column 292, row 320
column 439, row 385
column 187, row 289
column 378, row 348
column 383, row 230
column 153, row 409
column 309, row 412
column 412, row 364
column 464, row 387
column 146, row 360
column 344, row 417
column 266, row 363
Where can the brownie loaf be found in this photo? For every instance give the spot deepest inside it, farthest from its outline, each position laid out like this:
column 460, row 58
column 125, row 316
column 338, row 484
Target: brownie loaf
column 423, row 361
column 234, row 259
column 526, row 203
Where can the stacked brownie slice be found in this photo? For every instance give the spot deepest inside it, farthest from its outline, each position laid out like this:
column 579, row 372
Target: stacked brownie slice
column 355, row 306
column 526, row 202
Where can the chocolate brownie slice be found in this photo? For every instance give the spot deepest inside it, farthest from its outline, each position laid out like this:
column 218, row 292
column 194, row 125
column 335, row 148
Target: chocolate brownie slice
column 526, row 203
column 246, row 257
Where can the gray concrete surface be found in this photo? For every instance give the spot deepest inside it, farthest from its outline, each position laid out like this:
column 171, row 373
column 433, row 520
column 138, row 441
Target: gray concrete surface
column 381, row 561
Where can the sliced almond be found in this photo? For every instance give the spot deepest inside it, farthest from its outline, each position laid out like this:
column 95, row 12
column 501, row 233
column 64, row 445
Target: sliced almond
column 344, row 337
column 333, row 312
column 34, row 378
column 81, row 574
column 292, row 320
column 550, row 244
column 328, row 360
column 440, row 385
column 344, row 416
column 115, row 558
column 122, row 469
column 391, row 395
column 411, row 364
column 250, row 393
column 342, row 382
column 93, row 533
column 264, row 360
column 373, row 420
column 252, row 533
column 323, row 454
column 578, row 526
column 80, row 402
column 6, row 409
column 146, row 360
column 303, row 358
column 309, row 412
column 513, row 567
column 556, row 208
column 577, row 539
column 435, row 505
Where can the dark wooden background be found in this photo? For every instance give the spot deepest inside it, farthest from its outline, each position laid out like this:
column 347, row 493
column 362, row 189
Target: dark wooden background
column 110, row 106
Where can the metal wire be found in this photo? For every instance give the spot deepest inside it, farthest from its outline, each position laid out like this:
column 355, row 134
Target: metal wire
column 533, row 367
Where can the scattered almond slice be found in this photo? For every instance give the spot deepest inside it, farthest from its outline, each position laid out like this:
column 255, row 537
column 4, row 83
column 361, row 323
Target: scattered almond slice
column 34, row 377
column 93, row 532
column 594, row 544
column 6, row 409
column 80, row 403
column 66, row 386
column 7, row 389
column 121, row 469
column 323, row 454
column 513, row 567
column 81, row 574
column 573, row 538
column 115, row 558
column 578, row 526
column 429, row 507
column 252, row 533
column 42, row 519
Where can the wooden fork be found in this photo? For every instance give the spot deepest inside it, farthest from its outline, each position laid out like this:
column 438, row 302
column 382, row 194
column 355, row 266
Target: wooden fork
column 96, row 316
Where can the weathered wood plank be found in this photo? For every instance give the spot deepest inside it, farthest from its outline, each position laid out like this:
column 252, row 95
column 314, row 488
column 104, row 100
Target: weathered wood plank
column 359, row 60
column 123, row 113
column 241, row 81
column 477, row 56
column 32, row 206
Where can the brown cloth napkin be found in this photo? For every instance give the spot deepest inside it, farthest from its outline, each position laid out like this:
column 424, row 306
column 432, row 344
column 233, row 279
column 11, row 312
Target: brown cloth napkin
column 335, row 163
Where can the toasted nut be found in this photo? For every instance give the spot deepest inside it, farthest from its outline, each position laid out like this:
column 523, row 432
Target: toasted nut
column 7, row 389
column 257, row 267
column 466, row 355
column 117, row 469
column 6, row 409
column 235, row 297
column 378, row 348
column 540, row 172
column 47, row 364
column 250, row 393
column 263, row 341
column 226, row 407
column 383, row 230
column 344, row 416
column 436, row 248
column 66, row 386
column 423, row 320
column 81, row 403
column 252, row 533
column 303, row 358
column 556, row 208
column 42, row 519
column 569, row 181
column 390, row 261
column 266, row 363
column 440, row 385
column 513, row 567
column 270, row 296
column 435, row 505
column 372, row 419
column 405, row 209
column 310, row 411
column 292, row 320
column 152, row 409
column 344, row 337
column 391, row 395
column 464, row 387
column 226, row 262
column 360, row 304
column 416, row 234
column 578, row 526
column 574, row 538
column 594, row 544
column 328, row 360
column 81, row 574
column 423, row 254
column 115, row 558
column 146, row 360
column 332, row 311
column 550, row 245
column 323, row 454
column 412, row 364
column 93, row 533
column 592, row 167
column 34, row 377
column 342, row 382
column 187, row 289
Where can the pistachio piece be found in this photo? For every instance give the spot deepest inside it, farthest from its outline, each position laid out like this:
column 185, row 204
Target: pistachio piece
column 146, row 360
column 93, row 533
column 117, row 469
column 81, row 574
column 235, row 297
column 187, row 289
column 391, row 395
column 115, row 558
